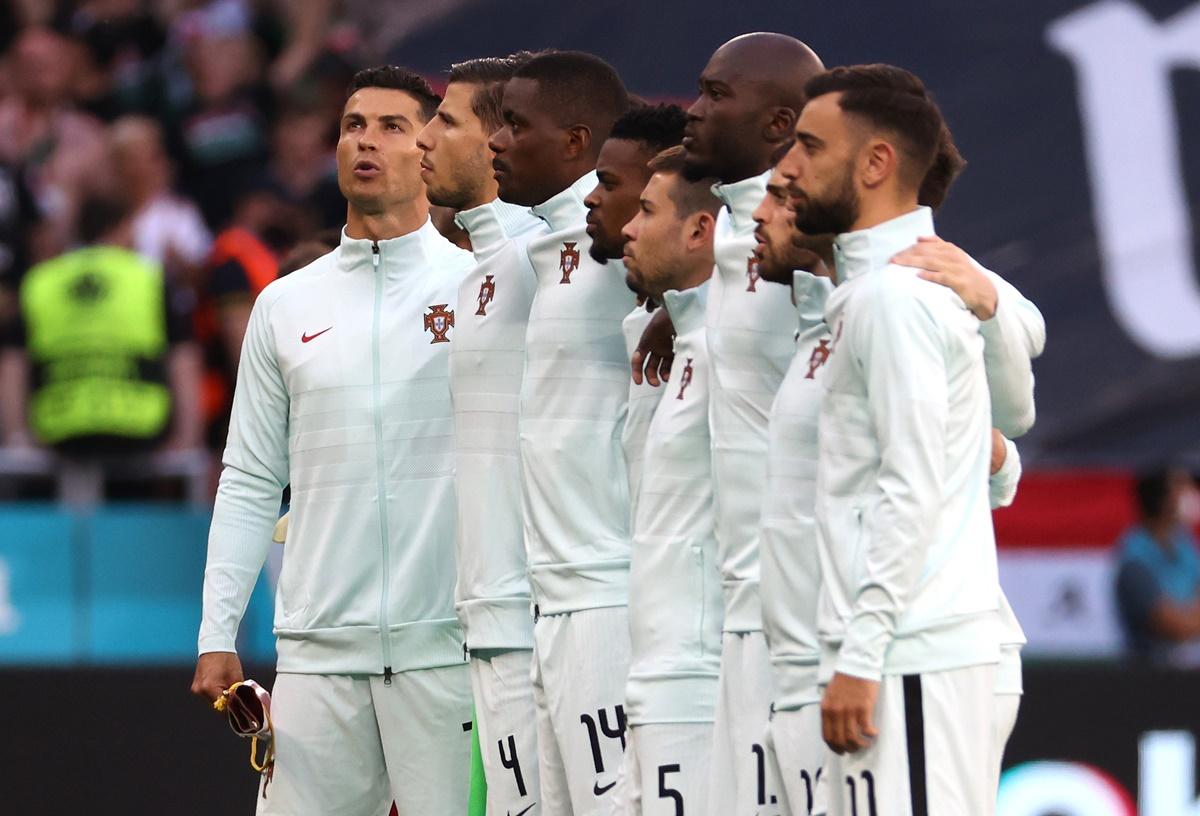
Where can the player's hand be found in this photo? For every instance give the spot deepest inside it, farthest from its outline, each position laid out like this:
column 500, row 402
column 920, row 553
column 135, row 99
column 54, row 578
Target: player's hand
column 655, row 351
column 215, row 672
column 848, row 712
column 945, row 263
column 999, row 451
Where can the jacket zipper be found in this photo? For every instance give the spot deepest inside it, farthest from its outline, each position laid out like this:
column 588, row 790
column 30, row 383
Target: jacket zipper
column 380, row 466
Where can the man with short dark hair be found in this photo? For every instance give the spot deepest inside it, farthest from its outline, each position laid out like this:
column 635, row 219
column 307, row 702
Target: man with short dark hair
column 622, row 170
column 558, row 109
column 909, row 650
column 675, row 597
column 342, row 393
column 486, row 367
column 751, row 92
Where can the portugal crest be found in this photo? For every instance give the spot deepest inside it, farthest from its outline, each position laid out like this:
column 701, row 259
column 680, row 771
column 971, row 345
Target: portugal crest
column 487, row 291
column 817, row 359
column 686, row 379
column 568, row 260
column 439, row 322
column 752, row 274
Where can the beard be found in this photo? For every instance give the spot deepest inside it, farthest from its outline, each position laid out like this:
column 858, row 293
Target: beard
column 833, row 215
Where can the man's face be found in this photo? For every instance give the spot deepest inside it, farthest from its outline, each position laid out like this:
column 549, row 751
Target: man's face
column 528, row 140
column 723, row 122
column 780, row 248
column 820, row 168
column 379, row 163
column 621, row 169
column 457, row 165
column 656, row 248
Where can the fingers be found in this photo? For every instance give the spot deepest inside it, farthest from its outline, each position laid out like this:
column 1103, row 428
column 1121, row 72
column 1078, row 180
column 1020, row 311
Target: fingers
column 664, row 368
column 652, row 363
column 937, row 277
column 829, row 730
column 636, row 365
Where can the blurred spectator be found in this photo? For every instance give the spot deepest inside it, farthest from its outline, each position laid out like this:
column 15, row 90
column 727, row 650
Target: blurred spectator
column 1158, row 575
column 122, row 42
column 99, row 364
column 221, row 125
column 19, row 219
column 245, row 258
column 58, row 149
column 167, row 229
column 308, row 251
column 303, row 164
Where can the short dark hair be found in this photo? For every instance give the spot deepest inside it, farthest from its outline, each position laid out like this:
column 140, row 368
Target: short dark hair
column 578, row 88
column 658, row 127
column 490, row 74
column 891, row 99
column 1153, row 488
column 690, row 196
column 396, row 78
column 947, row 165
column 99, row 215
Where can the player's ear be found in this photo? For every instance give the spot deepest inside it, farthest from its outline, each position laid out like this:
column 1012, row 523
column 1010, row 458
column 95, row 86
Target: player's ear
column 578, row 141
column 780, row 125
column 877, row 162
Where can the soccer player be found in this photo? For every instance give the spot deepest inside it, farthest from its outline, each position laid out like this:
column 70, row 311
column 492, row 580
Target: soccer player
column 675, row 600
column 486, row 363
column 909, row 649
column 558, row 109
column 750, row 96
column 790, row 566
column 342, row 393
column 622, row 172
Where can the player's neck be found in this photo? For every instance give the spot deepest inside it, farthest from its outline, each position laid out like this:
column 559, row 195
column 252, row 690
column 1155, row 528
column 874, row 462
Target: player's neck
column 878, row 209
column 391, row 223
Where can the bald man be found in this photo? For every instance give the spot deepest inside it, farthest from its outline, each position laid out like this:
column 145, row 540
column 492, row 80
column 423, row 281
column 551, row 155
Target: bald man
column 751, row 92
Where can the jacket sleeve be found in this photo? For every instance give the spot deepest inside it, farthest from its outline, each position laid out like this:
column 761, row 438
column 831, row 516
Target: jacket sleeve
column 1002, row 485
column 252, row 482
column 899, row 346
column 1012, row 338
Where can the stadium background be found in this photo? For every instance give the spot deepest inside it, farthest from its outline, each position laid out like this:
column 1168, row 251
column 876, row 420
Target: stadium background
column 1075, row 118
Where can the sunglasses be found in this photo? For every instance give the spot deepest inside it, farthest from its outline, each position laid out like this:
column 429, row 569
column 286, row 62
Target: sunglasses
column 248, row 707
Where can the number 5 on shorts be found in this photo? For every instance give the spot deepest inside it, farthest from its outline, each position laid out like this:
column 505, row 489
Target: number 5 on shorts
column 669, row 793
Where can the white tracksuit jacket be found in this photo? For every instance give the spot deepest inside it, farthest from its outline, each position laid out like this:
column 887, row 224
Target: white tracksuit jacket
column 751, row 339
column 908, row 556
column 790, row 560
column 643, row 399
column 487, row 362
column 342, row 393
column 573, row 404
column 675, row 597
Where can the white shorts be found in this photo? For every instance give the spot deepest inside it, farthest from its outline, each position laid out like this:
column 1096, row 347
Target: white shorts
column 665, row 770
column 933, row 754
column 344, row 745
column 507, row 721
column 741, row 782
column 581, row 661
column 1005, row 720
column 796, row 756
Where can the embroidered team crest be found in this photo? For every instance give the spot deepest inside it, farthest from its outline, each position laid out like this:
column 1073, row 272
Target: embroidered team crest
column 752, row 274
column 439, row 321
column 568, row 260
column 686, row 379
column 487, row 291
column 817, row 359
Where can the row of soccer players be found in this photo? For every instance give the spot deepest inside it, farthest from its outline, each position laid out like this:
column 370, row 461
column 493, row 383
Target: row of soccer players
column 668, row 597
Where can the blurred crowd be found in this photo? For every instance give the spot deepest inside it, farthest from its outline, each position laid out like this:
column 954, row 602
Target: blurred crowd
column 161, row 161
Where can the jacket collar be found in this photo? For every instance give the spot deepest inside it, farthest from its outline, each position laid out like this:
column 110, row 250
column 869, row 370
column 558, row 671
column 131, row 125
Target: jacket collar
column 863, row 251
column 566, row 210
column 493, row 223
column 395, row 254
column 686, row 307
column 810, row 291
column 742, row 198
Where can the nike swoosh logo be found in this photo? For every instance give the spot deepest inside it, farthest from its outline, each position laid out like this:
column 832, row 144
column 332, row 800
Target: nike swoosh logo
column 526, row 810
column 305, row 338
column 600, row 791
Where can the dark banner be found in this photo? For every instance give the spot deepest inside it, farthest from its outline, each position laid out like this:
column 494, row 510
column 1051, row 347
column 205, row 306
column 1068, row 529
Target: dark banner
column 1076, row 118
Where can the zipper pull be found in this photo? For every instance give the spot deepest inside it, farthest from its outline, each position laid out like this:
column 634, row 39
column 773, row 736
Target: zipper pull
column 375, row 254
column 387, row 675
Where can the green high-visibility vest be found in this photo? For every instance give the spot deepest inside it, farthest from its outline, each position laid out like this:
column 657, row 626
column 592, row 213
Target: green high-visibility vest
column 95, row 322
